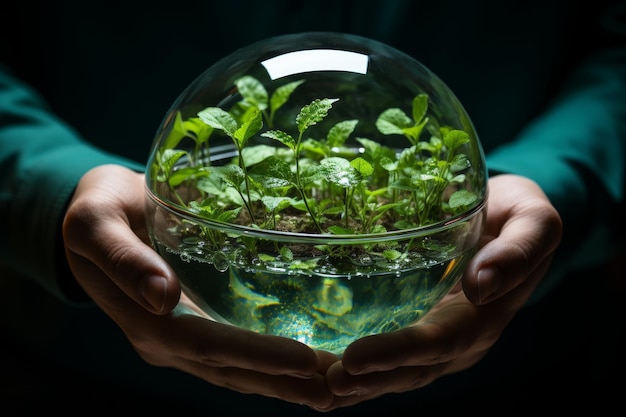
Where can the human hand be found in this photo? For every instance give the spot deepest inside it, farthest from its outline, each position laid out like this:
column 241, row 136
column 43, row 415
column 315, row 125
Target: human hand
column 109, row 253
column 522, row 232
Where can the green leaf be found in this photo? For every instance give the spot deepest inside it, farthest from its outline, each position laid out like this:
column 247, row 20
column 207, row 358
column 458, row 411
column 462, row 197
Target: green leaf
column 271, row 183
column 339, row 133
column 248, row 128
column 252, row 91
column 286, row 253
column 210, row 184
column 299, row 204
column 257, row 153
column 176, row 134
column 338, row 171
column 314, row 113
column 393, row 122
column 231, row 174
column 264, row 257
column 458, row 179
column 425, row 178
column 338, row 230
column 167, row 160
column 433, row 145
column 462, row 199
column 219, row 119
column 455, row 138
column 372, row 148
column 387, row 164
column 315, row 148
column 335, row 209
column 192, row 128
column 282, row 94
column 228, row 215
column 307, row 264
column 392, row 254
column 404, row 225
column 362, row 166
column 384, row 207
column 460, row 163
column 420, row 105
column 415, row 131
column 197, row 129
column 272, row 172
column 282, row 137
column 407, row 158
column 375, row 192
column 378, row 228
column 313, row 173
column 206, row 210
column 179, row 176
column 276, row 203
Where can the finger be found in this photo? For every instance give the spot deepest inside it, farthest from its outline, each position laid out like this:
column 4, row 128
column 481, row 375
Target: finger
column 353, row 389
column 222, row 345
column 235, row 358
column 217, row 353
column 312, row 392
column 158, row 339
column 453, row 334
column 523, row 230
column 434, row 340
column 98, row 226
column 325, row 360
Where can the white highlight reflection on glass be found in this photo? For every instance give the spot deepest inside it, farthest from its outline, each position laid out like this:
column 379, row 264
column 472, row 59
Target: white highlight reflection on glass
column 315, row 60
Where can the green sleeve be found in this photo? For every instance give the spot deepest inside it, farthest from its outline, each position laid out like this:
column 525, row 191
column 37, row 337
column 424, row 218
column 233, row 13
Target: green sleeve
column 41, row 161
column 576, row 152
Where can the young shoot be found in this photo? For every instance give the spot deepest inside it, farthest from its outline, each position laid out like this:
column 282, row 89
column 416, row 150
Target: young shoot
column 334, row 182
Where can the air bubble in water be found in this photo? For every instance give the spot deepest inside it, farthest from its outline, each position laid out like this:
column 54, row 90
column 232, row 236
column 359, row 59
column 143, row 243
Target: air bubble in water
column 220, row 261
column 365, row 260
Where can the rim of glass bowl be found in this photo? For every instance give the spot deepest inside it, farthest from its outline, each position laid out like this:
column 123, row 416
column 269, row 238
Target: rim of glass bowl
column 318, row 238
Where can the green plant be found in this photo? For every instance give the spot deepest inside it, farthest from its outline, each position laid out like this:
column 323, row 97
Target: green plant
column 308, row 184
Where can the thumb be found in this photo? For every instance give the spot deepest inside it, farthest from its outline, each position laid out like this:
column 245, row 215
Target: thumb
column 522, row 232
column 105, row 226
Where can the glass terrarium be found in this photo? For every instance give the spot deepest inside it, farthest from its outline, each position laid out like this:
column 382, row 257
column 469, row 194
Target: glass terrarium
column 317, row 186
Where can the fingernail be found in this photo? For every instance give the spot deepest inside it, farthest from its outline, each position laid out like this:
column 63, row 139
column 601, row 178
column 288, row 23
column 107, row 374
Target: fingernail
column 154, row 291
column 488, row 283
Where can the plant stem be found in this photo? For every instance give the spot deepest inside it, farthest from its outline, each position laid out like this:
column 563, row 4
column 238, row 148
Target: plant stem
column 296, row 152
column 242, row 165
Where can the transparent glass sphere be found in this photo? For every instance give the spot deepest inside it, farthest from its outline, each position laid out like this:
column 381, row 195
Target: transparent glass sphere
column 317, row 186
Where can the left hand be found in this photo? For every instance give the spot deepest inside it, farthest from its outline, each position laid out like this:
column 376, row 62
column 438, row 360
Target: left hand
column 522, row 232
column 109, row 253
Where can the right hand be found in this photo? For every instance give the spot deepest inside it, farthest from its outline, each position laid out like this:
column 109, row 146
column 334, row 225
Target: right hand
column 109, row 253
column 522, row 231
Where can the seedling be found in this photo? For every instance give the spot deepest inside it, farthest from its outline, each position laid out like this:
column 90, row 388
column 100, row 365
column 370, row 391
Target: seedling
column 287, row 180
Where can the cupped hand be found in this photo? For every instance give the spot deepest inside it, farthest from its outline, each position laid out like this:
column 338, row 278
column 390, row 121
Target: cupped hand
column 109, row 253
column 521, row 234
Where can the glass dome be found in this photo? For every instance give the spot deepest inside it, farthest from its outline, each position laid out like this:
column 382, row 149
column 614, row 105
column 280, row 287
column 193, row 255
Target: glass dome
column 316, row 186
